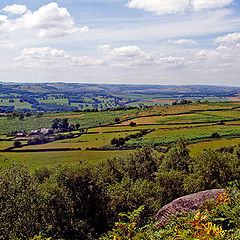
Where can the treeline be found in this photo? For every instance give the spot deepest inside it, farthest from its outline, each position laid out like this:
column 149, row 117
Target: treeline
column 83, row 202
column 121, row 141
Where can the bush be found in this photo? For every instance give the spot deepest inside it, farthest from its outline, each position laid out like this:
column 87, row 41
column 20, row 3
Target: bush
column 132, row 124
column 212, row 169
column 38, row 140
column 117, row 119
column 215, row 135
column 21, row 203
column 17, row 144
column 216, row 219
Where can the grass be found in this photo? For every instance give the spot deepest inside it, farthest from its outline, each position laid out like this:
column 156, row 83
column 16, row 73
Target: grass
column 214, row 145
column 5, row 144
column 83, row 142
column 61, row 101
column 233, row 114
column 92, row 119
column 193, row 118
column 53, row 159
column 17, row 104
column 166, row 137
column 168, row 129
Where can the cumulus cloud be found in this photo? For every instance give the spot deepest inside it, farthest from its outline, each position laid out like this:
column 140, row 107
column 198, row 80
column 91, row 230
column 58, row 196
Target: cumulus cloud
column 4, row 24
column 171, row 61
column 182, row 41
column 15, row 9
column 231, row 38
column 176, row 6
column 125, row 56
column 205, row 4
column 49, row 21
column 224, row 58
column 7, row 44
column 47, row 57
column 160, row 6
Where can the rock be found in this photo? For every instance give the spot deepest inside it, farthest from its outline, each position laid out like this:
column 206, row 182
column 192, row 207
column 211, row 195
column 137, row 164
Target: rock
column 186, row 204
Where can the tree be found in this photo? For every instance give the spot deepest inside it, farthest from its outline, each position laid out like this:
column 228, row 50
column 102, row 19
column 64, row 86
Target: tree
column 212, row 169
column 17, row 144
column 132, row 124
column 117, row 119
column 215, row 135
column 77, row 126
column 55, row 123
column 21, row 116
column 21, row 205
column 63, row 125
column 177, row 158
column 39, row 114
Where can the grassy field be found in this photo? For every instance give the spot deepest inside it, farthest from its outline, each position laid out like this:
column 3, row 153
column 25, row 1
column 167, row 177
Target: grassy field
column 168, row 124
column 232, row 114
column 83, row 142
column 193, row 134
column 54, row 100
column 53, row 159
column 91, row 119
column 214, row 145
column 17, row 104
column 5, row 144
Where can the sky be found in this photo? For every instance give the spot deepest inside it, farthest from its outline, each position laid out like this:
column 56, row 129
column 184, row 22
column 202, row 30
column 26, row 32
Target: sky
column 121, row 41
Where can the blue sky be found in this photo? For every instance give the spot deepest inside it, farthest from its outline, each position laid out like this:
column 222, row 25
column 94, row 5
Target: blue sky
column 121, row 41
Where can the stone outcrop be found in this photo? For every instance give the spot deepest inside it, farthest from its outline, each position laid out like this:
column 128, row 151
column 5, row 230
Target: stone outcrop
column 186, row 204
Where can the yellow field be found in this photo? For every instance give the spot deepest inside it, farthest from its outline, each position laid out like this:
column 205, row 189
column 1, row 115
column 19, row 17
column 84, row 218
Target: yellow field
column 187, row 108
column 5, row 144
column 234, row 113
column 199, row 147
column 153, row 119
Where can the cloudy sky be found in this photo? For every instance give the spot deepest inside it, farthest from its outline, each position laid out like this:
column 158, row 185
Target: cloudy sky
column 121, row 41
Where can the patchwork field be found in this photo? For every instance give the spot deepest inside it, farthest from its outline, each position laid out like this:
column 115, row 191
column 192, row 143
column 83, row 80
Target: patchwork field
column 203, row 125
column 83, row 142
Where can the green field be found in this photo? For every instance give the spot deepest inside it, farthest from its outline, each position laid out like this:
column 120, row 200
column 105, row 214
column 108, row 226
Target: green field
column 214, row 145
column 163, row 137
column 83, row 142
column 167, row 125
column 86, row 120
column 17, row 104
column 53, row 159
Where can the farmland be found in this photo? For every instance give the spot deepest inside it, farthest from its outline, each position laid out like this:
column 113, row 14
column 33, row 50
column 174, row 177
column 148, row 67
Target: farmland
column 122, row 157
column 105, row 133
column 67, row 97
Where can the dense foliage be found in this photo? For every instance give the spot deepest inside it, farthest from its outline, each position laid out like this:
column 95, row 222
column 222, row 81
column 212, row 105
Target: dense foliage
column 216, row 219
column 83, row 202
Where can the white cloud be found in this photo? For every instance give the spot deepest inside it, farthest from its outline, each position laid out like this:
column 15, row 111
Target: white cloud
column 15, row 9
column 182, row 41
column 4, row 24
column 231, row 38
column 222, row 59
column 176, row 6
column 48, row 58
column 125, row 56
column 205, row 4
column 160, row 6
column 7, row 44
column 49, row 21
column 171, row 61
